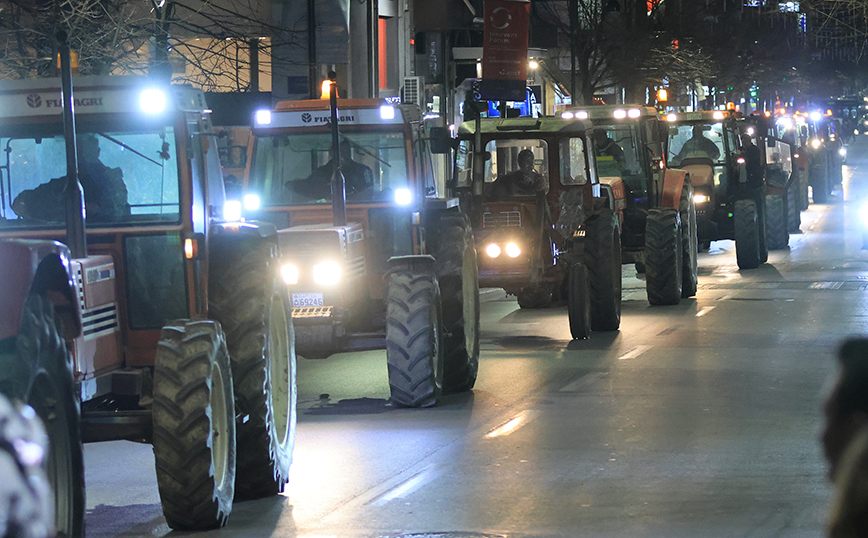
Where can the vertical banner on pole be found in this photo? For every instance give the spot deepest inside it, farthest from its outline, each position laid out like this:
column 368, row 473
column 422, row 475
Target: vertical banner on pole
column 504, row 50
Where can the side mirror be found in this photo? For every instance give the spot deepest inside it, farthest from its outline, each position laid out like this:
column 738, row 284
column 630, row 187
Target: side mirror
column 442, row 141
column 770, row 142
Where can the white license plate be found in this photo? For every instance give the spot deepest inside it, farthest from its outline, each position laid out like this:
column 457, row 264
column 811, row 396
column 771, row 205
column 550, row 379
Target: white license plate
column 306, row 299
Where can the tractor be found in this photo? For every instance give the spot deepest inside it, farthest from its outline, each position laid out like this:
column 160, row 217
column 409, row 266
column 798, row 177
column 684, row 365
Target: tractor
column 721, row 152
column 545, row 227
column 162, row 318
column 629, row 144
column 377, row 254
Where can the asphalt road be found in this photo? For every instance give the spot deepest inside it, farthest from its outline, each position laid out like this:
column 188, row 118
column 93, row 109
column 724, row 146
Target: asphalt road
column 697, row 420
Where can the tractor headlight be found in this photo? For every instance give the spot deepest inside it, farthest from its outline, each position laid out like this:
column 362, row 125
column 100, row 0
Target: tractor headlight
column 251, row 202
column 493, row 250
column 815, row 143
column 263, row 117
column 327, row 273
column 842, row 152
column 152, row 101
column 232, row 210
column 700, row 198
column 289, row 272
column 512, row 250
column 403, row 196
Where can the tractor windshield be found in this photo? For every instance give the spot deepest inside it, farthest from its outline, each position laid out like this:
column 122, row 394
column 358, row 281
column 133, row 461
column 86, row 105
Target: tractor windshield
column 697, row 141
column 617, row 150
column 128, row 178
column 516, row 168
column 293, row 169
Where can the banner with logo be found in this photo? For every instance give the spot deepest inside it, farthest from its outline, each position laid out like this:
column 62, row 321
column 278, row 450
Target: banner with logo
column 504, row 50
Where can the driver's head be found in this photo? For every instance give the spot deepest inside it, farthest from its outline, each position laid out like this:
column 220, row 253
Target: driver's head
column 697, row 131
column 600, row 137
column 346, row 151
column 525, row 159
column 88, row 147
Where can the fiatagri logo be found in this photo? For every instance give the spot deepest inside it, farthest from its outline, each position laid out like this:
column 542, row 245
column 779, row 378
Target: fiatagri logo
column 307, row 118
column 34, row 100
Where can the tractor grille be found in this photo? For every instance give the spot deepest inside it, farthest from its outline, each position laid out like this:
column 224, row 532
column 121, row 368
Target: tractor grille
column 501, row 219
column 99, row 321
column 312, row 312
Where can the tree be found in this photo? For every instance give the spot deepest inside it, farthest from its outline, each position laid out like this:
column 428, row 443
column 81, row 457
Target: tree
column 209, row 43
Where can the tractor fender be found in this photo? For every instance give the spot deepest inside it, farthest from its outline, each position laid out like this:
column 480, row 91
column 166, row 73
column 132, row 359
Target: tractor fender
column 614, row 190
column 419, row 263
column 673, row 182
column 42, row 267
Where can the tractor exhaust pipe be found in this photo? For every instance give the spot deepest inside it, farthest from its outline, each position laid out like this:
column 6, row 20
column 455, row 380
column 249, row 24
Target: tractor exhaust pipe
column 73, row 194
column 339, row 190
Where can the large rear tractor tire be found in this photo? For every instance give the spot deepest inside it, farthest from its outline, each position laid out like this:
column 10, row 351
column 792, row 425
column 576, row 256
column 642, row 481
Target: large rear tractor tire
column 25, row 495
column 36, row 371
column 458, row 275
column 747, row 234
column 414, row 331
column 794, row 217
column 663, row 256
column 251, row 304
column 777, row 222
column 689, row 243
column 194, row 425
column 604, row 271
column 579, row 301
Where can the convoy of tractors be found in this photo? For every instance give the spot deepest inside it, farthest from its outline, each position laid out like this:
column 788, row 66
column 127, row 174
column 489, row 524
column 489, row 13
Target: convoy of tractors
column 142, row 303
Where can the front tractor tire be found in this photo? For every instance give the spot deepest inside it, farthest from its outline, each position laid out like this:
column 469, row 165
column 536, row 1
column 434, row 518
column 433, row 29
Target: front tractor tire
column 689, row 243
column 579, row 301
column 251, row 304
column 36, row 371
column 25, row 495
column 458, row 276
column 604, row 271
column 747, row 234
column 663, row 256
column 414, row 337
column 194, row 425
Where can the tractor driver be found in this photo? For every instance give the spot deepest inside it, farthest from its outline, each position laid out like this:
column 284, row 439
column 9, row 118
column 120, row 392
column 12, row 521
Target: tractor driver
column 522, row 182
column 357, row 177
column 105, row 193
column 606, row 147
column 698, row 146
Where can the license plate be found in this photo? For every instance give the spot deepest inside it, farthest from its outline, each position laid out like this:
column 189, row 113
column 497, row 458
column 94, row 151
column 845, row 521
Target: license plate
column 306, row 299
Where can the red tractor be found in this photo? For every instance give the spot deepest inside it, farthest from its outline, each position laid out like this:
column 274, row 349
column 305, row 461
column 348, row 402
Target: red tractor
column 545, row 226
column 165, row 321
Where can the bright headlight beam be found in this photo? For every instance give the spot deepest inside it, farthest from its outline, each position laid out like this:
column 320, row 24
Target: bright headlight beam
column 232, row 210
column 387, row 112
column 582, row 115
column 700, row 198
column 717, row 115
column 619, row 114
column 567, row 115
column 263, row 117
column 512, row 250
column 289, row 273
column 251, row 202
column 152, row 101
column 403, row 196
column 327, row 273
column 492, row 250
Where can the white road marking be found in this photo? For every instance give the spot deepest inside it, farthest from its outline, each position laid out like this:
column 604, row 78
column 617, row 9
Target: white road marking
column 705, row 310
column 407, row 487
column 511, row 425
column 635, row 352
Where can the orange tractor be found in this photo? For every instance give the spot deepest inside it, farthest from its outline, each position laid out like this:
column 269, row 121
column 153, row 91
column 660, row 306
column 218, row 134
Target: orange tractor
column 377, row 254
